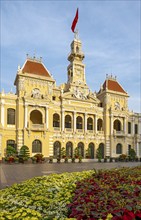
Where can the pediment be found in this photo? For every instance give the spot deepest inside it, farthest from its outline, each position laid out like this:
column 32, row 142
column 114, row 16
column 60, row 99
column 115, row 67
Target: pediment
column 80, row 97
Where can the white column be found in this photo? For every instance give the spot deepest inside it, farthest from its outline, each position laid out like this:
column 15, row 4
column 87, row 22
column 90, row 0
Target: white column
column 137, row 149
column 111, row 124
column 133, row 127
column 74, row 121
column 62, row 120
column 95, row 123
column 25, row 116
column 2, row 112
column 125, row 125
column 47, row 118
column 85, row 122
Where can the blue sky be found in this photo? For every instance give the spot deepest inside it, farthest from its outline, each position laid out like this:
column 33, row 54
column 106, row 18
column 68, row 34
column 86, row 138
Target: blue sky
column 109, row 31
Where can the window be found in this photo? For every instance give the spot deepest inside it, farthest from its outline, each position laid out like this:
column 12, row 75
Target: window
column 67, row 121
column 129, row 127
column 36, row 117
column 136, row 129
column 79, row 122
column 10, row 116
column 56, row 120
column 57, row 149
column 36, row 146
column 99, row 124
column 129, row 148
column 53, row 98
column 117, row 125
column 89, row 123
column 119, row 149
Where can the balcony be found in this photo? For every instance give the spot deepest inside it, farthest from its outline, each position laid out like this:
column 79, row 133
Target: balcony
column 37, row 127
column 56, row 128
column 68, row 130
column 100, row 132
column 79, row 130
column 90, row 131
column 119, row 133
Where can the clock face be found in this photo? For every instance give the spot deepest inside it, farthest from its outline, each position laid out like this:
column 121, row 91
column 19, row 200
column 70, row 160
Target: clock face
column 78, row 72
column 117, row 105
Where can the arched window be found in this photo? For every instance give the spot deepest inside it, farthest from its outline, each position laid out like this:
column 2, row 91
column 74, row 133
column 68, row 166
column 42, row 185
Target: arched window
column 89, row 123
column 80, row 149
column 119, row 149
column 67, row 121
column 99, row 124
column 10, row 116
column 11, row 143
column 91, row 149
column 36, row 146
column 79, row 122
column 57, row 149
column 101, row 149
column 36, row 117
column 117, row 125
column 69, row 149
column 77, row 49
column 56, row 120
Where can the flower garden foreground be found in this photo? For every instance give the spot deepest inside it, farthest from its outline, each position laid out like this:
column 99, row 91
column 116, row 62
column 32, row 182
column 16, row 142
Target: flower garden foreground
column 108, row 194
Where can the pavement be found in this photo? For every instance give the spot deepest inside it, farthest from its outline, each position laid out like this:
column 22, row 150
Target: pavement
column 16, row 173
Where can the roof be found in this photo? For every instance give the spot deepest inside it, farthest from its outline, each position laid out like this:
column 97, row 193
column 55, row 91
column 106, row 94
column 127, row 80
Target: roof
column 113, row 85
column 35, row 67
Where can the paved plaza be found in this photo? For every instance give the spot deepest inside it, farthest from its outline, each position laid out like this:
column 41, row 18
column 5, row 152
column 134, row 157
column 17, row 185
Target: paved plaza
column 16, row 173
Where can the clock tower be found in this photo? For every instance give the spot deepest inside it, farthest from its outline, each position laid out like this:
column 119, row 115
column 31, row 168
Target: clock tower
column 76, row 69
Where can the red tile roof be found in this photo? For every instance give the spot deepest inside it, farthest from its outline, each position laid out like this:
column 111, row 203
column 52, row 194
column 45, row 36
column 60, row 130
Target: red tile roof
column 35, row 67
column 113, row 85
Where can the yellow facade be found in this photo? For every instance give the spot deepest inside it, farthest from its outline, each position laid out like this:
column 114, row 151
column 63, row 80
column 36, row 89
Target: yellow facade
column 46, row 117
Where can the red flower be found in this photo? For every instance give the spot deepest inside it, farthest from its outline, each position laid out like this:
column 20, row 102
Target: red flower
column 138, row 214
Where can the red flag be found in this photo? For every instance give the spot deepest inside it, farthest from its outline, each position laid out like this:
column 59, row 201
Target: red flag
column 74, row 21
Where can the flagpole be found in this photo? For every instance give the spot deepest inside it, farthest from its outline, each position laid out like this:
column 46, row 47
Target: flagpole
column 76, row 34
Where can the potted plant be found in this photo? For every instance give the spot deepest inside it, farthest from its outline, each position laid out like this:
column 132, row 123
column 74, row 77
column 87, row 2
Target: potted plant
column 34, row 159
column 58, row 159
column 11, row 159
column 50, row 159
column 73, row 159
column 16, row 159
column 122, row 157
column 66, row 159
column 80, row 159
column 39, row 158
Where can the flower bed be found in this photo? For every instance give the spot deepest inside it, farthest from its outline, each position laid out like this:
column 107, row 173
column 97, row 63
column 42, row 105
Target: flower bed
column 41, row 197
column 117, row 192
column 110, row 194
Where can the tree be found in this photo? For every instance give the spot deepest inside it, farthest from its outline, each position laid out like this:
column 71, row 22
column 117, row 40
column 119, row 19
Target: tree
column 132, row 154
column 10, row 151
column 24, row 152
column 99, row 154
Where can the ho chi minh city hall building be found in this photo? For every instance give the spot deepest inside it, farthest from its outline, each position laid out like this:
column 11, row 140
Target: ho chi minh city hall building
column 46, row 117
